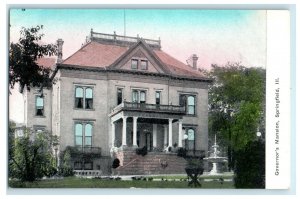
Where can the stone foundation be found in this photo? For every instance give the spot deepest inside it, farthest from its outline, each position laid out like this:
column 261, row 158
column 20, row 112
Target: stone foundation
column 152, row 163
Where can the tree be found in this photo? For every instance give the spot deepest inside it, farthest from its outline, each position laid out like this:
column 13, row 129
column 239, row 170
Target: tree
column 23, row 56
column 236, row 105
column 11, row 144
column 250, row 166
column 32, row 156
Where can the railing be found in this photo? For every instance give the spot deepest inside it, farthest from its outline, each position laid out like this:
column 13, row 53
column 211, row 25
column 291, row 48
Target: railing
column 132, row 106
column 77, row 150
column 127, row 39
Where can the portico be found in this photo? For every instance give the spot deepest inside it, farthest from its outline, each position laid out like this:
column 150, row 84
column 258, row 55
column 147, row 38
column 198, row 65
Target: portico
column 146, row 125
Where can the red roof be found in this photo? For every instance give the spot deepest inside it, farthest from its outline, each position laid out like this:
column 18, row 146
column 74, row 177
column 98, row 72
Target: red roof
column 96, row 54
column 177, row 67
column 46, row 62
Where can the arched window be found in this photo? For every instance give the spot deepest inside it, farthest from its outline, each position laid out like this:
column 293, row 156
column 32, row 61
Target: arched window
column 88, row 135
column 142, row 97
column 189, row 102
column 79, row 97
column 84, row 97
column 190, row 139
column 191, row 105
column 83, row 134
column 88, row 98
column 78, row 135
column 135, row 96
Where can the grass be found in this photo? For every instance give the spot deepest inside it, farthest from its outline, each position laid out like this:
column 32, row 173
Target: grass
column 73, row 182
column 216, row 177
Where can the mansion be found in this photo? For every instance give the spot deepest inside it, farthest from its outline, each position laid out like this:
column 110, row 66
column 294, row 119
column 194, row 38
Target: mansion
column 117, row 94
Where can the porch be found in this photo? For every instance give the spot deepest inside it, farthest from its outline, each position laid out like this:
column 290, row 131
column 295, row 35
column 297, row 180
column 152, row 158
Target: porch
column 154, row 126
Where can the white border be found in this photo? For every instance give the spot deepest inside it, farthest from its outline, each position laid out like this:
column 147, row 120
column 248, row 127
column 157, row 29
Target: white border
column 278, row 66
column 212, row 3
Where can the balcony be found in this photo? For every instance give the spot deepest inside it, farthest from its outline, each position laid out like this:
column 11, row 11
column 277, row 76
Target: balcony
column 154, row 108
column 76, row 151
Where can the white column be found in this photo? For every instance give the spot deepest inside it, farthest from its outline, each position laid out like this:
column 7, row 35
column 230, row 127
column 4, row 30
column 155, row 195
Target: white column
column 154, row 135
column 124, row 131
column 134, row 140
column 170, row 132
column 165, row 135
column 180, row 133
column 113, row 134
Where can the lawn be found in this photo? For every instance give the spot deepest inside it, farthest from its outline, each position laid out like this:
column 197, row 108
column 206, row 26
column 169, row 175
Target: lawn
column 74, row 182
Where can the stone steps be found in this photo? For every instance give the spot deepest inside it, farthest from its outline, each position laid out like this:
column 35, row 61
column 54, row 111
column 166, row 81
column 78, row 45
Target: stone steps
column 152, row 163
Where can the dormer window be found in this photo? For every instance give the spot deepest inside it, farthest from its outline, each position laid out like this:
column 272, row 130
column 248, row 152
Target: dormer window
column 139, row 64
column 144, row 65
column 134, row 64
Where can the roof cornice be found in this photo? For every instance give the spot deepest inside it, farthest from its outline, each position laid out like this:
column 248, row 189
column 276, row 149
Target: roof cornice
column 112, row 70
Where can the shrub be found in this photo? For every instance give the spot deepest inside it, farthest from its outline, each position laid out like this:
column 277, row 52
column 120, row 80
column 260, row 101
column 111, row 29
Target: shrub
column 195, row 163
column 65, row 171
column 50, row 171
column 31, row 156
column 181, row 152
column 116, row 163
column 142, row 151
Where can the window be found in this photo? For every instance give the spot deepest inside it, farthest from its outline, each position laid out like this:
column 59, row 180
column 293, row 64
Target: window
column 191, row 105
column 84, row 98
column 78, row 135
column 83, row 134
column 119, row 96
column 39, row 129
column 39, row 106
column 83, row 165
column 135, row 96
column 88, row 98
column 88, row 135
column 142, row 97
column 139, row 96
column 79, row 97
column 139, row 64
column 144, row 65
column 88, row 166
column 157, row 97
column 190, row 139
column 77, row 165
column 189, row 102
column 134, row 64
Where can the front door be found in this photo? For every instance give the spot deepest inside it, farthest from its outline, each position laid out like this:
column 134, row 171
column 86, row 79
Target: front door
column 148, row 141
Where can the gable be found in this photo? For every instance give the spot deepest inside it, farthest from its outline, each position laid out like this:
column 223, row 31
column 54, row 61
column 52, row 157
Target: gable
column 141, row 56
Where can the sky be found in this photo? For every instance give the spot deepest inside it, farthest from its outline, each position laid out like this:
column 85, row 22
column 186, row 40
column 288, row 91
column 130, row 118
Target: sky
column 216, row 36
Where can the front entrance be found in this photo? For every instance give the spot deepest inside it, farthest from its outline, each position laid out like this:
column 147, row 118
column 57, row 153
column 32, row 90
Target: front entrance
column 149, row 142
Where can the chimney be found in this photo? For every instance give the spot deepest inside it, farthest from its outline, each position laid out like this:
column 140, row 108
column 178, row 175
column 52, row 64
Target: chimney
column 60, row 43
column 194, row 58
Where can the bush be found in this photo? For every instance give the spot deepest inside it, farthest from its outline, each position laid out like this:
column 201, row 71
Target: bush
column 31, row 156
column 181, row 152
column 142, row 151
column 250, row 166
column 195, row 163
column 65, row 171
column 50, row 171
column 116, row 163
